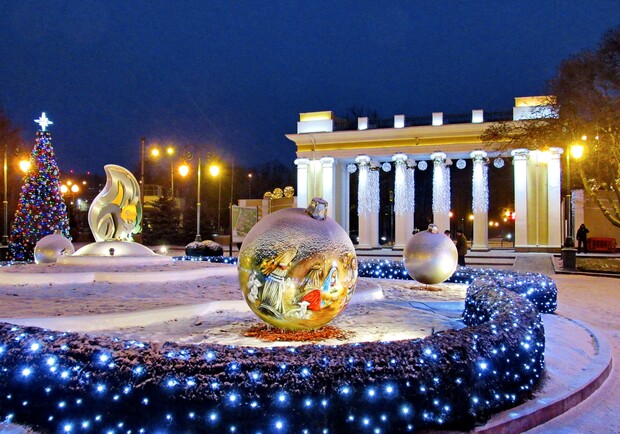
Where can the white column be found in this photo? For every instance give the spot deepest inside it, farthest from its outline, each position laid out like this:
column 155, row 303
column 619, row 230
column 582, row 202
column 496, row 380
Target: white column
column 302, row 182
column 441, row 191
column 342, row 197
column 520, row 183
column 404, row 200
column 554, row 197
column 328, row 184
column 363, row 213
column 480, row 200
column 374, row 198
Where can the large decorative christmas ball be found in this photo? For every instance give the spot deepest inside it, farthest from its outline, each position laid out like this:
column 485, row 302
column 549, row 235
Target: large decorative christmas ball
column 297, row 268
column 430, row 258
column 51, row 247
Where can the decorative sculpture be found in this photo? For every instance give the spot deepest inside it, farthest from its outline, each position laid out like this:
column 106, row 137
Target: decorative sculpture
column 430, row 257
column 116, row 212
column 297, row 268
column 49, row 248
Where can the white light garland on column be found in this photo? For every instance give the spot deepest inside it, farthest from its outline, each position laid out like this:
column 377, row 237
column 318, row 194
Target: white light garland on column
column 362, row 190
column 368, row 188
column 404, row 187
column 480, row 183
column 441, row 184
column 373, row 192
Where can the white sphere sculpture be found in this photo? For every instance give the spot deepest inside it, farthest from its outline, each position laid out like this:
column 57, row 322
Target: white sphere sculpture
column 430, row 258
column 51, row 247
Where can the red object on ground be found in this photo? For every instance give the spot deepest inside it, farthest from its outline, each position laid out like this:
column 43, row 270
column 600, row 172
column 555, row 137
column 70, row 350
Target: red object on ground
column 602, row 245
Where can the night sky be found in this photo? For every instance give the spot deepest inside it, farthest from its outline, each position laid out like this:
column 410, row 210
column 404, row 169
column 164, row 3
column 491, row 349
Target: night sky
column 236, row 74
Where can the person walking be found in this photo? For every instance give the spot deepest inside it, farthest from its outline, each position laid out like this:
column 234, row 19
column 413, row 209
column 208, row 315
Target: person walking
column 582, row 238
column 461, row 247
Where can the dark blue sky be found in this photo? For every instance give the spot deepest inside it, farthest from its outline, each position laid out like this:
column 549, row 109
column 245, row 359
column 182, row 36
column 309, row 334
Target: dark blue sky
column 237, row 73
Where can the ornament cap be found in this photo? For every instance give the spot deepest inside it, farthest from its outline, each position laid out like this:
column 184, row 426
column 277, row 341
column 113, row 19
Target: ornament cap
column 317, row 208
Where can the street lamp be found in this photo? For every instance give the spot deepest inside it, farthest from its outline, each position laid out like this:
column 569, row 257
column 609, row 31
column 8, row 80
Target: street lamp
column 183, row 170
column 5, row 234
column 214, row 170
column 24, row 166
column 250, row 176
column 576, row 151
column 170, row 152
column 73, row 188
column 209, row 154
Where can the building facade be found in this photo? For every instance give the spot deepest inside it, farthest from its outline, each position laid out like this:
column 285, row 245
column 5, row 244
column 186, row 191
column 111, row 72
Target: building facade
column 328, row 157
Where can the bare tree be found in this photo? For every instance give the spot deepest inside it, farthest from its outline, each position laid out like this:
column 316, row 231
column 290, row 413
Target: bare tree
column 586, row 105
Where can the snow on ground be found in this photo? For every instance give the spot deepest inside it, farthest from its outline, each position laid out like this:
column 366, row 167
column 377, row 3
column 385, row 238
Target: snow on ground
column 593, row 300
column 367, row 318
column 596, row 302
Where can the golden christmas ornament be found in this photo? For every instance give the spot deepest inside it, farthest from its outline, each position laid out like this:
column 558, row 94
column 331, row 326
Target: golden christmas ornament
column 277, row 193
column 289, row 191
column 297, row 268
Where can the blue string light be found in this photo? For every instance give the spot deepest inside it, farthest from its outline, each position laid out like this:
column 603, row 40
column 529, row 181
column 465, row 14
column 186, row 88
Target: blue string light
column 455, row 377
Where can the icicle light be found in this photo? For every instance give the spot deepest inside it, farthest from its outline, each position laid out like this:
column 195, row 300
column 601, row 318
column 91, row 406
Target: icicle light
column 441, row 186
column 480, row 183
column 368, row 188
column 404, row 189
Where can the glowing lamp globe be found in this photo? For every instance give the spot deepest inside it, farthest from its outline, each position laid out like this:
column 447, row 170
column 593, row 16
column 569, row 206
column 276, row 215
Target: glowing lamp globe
column 297, row 268
column 430, row 258
column 49, row 248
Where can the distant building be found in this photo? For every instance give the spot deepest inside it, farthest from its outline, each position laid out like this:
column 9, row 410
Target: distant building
column 330, row 152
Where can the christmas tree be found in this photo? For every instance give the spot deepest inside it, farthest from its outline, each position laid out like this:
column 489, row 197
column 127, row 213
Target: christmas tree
column 41, row 210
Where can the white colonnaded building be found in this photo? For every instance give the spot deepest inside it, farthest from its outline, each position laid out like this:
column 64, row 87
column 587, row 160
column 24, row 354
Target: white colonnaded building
column 328, row 157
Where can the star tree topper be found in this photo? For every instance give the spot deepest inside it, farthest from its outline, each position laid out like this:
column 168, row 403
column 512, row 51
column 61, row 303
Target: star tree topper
column 43, row 121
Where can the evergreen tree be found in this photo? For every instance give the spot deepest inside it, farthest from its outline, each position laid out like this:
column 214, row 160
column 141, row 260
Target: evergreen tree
column 41, row 209
column 162, row 223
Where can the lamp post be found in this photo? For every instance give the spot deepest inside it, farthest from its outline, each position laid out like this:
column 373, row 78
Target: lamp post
column 142, row 150
column 5, row 233
column 214, row 170
column 170, row 152
column 209, row 154
column 24, row 166
column 576, row 152
column 199, row 172
column 73, row 188
column 250, row 176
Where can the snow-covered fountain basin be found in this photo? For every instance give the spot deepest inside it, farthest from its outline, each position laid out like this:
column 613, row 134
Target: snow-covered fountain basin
column 175, row 386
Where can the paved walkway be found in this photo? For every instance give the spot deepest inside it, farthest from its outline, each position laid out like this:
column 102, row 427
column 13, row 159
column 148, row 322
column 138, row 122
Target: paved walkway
column 596, row 302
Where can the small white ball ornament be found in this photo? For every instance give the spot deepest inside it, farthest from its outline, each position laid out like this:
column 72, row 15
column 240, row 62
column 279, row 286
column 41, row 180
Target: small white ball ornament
column 51, row 247
column 297, row 268
column 430, row 258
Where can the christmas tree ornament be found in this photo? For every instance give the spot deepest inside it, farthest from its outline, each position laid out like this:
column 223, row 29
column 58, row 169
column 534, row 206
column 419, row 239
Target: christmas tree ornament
column 51, row 247
column 430, row 258
column 289, row 191
column 297, row 268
